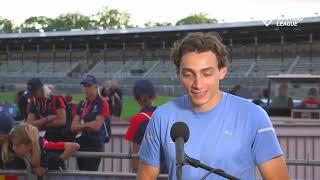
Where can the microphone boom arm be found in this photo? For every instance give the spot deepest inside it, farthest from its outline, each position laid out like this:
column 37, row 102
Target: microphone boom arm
column 196, row 163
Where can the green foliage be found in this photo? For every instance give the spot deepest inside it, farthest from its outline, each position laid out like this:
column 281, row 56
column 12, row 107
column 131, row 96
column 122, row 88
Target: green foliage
column 200, row 18
column 6, row 25
column 107, row 18
column 71, row 21
column 112, row 18
column 34, row 23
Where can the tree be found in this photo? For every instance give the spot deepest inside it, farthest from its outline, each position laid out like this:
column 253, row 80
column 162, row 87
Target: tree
column 157, row 24
column 71, row 21
column 112, row 18
column 34, row 23
column 6, row 25
column 200, row 18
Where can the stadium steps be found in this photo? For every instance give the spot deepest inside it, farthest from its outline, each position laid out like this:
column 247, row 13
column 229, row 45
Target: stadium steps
column 250, row 69
column 72, row 69
column 151, row 69
column 125, row 66
column 91, row 65
column 295, row 62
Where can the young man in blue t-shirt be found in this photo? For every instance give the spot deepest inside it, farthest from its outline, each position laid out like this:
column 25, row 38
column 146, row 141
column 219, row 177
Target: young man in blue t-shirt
column 226, row 132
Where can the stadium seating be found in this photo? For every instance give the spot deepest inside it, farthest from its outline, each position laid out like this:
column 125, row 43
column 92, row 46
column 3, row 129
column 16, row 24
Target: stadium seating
column 265, row 67
column 247, row 61
column 29, row 68
column 304, row 65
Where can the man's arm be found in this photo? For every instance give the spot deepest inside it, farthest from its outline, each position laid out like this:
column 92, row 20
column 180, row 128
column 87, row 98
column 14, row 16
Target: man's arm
column 134, row 162
column 33, row 135
column 31, row 119
column 58, row 120
column 93, row 126
column 147, row 172
column 274, row 169
column 69, row 149
column 75, row 123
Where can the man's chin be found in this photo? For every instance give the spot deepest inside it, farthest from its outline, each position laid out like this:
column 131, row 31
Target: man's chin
column 197, row 103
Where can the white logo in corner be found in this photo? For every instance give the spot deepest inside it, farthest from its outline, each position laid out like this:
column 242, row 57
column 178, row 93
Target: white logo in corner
column 267, row 22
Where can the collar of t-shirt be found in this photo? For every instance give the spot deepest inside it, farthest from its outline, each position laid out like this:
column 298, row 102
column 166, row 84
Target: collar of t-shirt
column 217, row 107
column 148, row 109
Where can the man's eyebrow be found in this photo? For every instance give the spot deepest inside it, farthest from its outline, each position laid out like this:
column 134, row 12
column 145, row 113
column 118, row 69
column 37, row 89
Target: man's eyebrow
column 205, row 69
column 187, row 69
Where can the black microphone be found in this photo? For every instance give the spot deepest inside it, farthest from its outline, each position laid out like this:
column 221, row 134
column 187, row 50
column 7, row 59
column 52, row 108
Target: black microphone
column 179, row 134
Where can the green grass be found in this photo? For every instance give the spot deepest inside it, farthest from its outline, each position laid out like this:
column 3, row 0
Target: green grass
column 7, row 97
column 130, row 106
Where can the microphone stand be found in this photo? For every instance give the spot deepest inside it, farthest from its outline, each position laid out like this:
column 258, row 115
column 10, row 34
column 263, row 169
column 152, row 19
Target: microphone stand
column 196, row 163
column 179, row 171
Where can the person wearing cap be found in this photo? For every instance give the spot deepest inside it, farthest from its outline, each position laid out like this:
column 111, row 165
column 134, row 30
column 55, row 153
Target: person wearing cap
column 6, row 124
column 46, row 111
column 90, row 124
column 144, row 94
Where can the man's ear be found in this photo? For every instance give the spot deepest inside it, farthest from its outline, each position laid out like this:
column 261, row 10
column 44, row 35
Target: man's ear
column 223, row 72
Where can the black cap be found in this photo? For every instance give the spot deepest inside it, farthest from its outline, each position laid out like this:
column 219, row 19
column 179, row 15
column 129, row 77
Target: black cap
column 89, row 80
column 6, row 123
column 34, row 84
column 143, row 87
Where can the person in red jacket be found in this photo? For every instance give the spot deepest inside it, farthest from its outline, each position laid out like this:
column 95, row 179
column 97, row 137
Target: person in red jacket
column 46, row 111
column 311, row 101
column 144, row 93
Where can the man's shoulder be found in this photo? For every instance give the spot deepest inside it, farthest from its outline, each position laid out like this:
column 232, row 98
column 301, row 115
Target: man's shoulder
column 171, row 105
column 169, row 109
column 99, row 100
column 240, row 103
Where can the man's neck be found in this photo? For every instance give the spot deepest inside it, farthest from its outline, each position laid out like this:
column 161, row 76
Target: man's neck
column 210, row 104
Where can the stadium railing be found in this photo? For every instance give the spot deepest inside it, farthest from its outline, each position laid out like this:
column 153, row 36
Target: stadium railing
column 67, row 174
column 73, row 174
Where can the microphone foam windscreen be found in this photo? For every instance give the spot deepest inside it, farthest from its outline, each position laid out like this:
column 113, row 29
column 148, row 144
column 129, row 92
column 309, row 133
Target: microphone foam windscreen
column 179, row 129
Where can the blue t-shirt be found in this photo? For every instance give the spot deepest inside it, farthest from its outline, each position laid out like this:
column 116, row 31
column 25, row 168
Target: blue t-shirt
column 236, row 136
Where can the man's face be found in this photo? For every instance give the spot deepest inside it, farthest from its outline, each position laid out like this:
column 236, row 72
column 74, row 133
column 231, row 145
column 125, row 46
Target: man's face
column 106, row 84
column 199, row 75
column 89, row 90
column 39, row 93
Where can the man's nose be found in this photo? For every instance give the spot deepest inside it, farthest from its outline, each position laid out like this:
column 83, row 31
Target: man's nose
column 197, row 82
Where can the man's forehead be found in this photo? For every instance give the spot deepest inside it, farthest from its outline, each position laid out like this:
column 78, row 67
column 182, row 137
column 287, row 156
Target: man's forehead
column 199, row 59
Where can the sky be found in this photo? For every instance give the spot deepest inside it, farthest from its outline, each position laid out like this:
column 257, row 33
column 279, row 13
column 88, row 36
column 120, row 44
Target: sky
column 142, row 11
